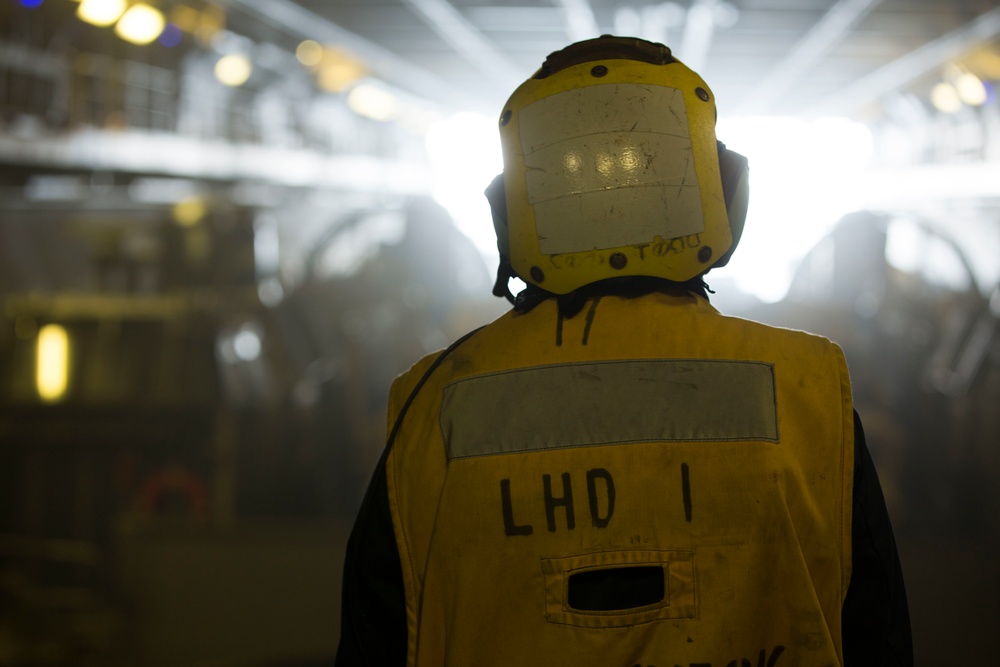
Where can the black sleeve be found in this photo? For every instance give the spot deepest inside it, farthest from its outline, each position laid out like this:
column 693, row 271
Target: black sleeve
column 373, row 603
column 875, row 618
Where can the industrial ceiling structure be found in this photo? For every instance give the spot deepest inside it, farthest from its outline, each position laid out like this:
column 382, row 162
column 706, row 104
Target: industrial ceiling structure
column 920, row 75
column 817, row 57
column 911, row 66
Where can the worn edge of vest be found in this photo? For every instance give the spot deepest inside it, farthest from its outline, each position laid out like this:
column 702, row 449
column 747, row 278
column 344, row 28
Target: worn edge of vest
column 400, row 389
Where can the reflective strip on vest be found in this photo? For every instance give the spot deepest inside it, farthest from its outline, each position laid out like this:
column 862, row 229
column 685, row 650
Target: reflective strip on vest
column 586, row 404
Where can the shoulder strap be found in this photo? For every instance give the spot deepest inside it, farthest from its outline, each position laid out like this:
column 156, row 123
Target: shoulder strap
column 420, row 383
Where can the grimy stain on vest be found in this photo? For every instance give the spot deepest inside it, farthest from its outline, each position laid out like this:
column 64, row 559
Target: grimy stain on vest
column 567, row 505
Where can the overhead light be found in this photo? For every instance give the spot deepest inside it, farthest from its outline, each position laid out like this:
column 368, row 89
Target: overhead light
column 971, row 89
column 52, row 362
column 309, row 53
column 338, row 70
column 140, row 24
column 945, row 98
column 247, row 344
column 373, row 101
column 100, row 12
column 171, row 35
column 189, row 211
column 233, row 70
column 243, row 345
column 270, row 292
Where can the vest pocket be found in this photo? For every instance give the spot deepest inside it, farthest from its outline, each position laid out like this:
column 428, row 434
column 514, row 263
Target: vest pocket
column 615, row 588
column 619, row 588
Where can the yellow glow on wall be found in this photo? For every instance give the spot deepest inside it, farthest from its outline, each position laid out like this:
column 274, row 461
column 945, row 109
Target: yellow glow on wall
column 140, row 24
column 100, row 12
column 337, row 70
column 184, row 17
column 233, row 70
column 211, row 21
column 52, row 362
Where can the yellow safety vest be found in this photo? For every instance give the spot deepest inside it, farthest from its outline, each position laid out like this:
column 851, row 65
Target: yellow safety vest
column 711, row 453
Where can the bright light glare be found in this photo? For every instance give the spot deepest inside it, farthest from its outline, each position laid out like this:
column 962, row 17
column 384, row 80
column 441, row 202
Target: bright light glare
column 233, row 70
column 465, row 154
column 52, row 363
column 971, row 90
column 100, row 12
column 804, row 176
column 141, row 24
column 373, row 101
column 247, row 344
column 945, row 98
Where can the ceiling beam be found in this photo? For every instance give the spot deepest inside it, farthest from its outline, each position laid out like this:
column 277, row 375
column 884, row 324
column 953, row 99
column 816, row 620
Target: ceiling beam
column 386, row 65
column 143, row 152
column 580, row 21
column 899, row 73
column 829, row 30
column 467, row 40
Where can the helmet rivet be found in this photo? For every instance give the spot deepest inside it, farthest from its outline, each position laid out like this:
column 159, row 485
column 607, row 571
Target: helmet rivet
column 704, row 254
column 701, row 93
column 618, row 261
column 598, row 70
column 537, row 275
column 505, row 117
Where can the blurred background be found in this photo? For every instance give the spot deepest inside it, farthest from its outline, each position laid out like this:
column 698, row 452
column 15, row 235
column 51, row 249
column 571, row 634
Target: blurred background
column 225, row 226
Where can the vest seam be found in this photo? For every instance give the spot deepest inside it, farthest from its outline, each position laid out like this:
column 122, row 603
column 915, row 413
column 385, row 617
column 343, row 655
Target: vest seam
column 601, row 362
column 617, row 443
column 392, row 469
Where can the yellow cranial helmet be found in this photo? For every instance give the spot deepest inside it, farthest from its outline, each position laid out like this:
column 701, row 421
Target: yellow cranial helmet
column 612, row 168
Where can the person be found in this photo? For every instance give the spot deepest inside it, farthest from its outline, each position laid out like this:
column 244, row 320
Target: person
column 614, row 473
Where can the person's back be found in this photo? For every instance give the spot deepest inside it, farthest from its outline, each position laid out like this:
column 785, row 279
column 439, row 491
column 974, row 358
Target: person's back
column 614, row 473
column 619, row 491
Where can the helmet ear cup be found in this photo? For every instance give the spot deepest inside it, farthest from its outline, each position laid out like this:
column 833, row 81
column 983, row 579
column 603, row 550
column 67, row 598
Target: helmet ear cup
column 496, row 195
column 735, row 171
